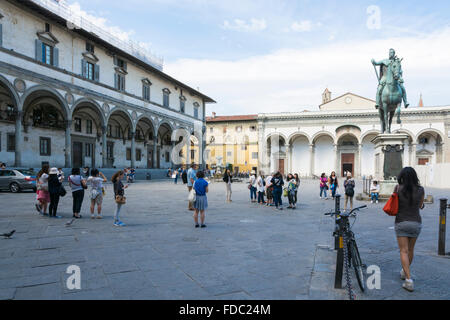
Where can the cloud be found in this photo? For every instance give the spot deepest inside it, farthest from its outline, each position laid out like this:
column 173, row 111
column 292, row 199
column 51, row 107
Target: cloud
column 302, row 26
column 253, row 25
column 288, row 79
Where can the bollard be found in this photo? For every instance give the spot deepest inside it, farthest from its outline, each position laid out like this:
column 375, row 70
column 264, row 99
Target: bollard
column 442, row 227
column 339, row 263
column 337, row 209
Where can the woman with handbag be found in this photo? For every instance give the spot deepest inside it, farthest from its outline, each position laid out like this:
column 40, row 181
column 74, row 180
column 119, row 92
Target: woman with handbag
column 96, row 180
column 77, row 185
column 54, row 189
column 119, row 191
column 334, row 184
column 43, row 196
column 323, row 186
column 201, row 201
column 408, row 222
column 228, row 179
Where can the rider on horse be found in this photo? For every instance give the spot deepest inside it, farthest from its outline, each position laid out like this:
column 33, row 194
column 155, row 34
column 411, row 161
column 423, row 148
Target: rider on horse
column 384, row 65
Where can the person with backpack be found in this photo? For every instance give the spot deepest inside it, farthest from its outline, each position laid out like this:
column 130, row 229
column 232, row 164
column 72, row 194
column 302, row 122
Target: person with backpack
column 260, row 184
column 277, row 183
column 269, row 190
column 349, row 186
column 200, row 186
column 252, row 186
column 291, row 189
column 228, row 179
column 54, row 188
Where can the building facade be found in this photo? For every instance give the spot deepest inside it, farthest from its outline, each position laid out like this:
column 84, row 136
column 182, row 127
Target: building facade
column 73, row 96
column 339, row 137
column 232, row 140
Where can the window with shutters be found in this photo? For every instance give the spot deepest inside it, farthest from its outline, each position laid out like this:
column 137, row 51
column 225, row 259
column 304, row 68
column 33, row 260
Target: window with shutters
column 77, row 124
column 89, row 126
column 138, row 155
column 182, row 104
column 47, row 54
column 195, row 112
column 146, row 92
column 11, row 142
column 166, row 93
column 44, row 146
column 89, row 71
column 120, row 82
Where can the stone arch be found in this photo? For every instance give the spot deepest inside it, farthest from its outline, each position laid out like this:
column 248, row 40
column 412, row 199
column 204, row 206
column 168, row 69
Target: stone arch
column 11, row 90
column 348, row 129
column 297, row 134
column 368, row 133
column 92, row 104
column 408, row 132
column 276, row 133
column 121, row 118
column 435, row 131
column 430, row 148
column 323, row 133
column 46, row 91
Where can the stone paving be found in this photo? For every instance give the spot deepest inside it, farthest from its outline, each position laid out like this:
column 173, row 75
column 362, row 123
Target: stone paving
column 246, row 251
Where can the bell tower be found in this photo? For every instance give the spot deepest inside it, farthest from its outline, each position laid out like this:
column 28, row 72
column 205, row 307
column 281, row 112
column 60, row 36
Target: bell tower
column 326, row 96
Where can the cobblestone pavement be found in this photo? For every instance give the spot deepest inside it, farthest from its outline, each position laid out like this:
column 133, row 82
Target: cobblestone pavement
column 246, row 251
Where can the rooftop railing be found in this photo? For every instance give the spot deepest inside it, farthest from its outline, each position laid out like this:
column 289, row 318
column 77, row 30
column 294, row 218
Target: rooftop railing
column 76, row 21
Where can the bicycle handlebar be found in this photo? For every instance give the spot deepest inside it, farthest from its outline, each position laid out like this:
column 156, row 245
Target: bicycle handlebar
column 345, row 214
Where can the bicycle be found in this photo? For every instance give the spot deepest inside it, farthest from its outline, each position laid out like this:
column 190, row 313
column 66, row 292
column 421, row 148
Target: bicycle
column 351, row 254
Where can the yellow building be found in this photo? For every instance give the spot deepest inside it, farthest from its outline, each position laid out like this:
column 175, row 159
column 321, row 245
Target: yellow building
column 232, row 141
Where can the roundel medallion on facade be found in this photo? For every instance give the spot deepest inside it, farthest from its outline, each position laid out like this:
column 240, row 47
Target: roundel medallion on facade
column 20, row 85
column 134, row 115
column 348, row 100
column 69, row 98
column 106, row 108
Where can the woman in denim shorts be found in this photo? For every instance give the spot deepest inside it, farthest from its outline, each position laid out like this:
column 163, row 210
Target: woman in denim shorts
column 408, row 222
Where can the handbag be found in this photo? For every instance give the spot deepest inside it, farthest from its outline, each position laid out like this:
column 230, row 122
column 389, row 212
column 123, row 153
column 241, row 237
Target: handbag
column 192, row 195
column 391, row 207
column 285, row 192
column 121, row 199
column 94, row 194
column 62, row 191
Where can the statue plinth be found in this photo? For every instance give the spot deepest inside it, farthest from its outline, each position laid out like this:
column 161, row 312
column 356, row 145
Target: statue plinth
column 388, row 160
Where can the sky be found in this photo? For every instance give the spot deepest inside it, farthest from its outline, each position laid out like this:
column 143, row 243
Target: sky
column 265, row 56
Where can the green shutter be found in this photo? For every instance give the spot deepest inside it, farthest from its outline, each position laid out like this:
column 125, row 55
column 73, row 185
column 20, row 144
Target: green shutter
column 1, row 35
column 38, row 50
column 97, row 72
column 83, row 68
column 55, row 57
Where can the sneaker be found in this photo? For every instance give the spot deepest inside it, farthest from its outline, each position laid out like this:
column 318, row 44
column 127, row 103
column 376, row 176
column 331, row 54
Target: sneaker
column 203, row 226
column 280, row 208
column 371, row 201
column 117, row 223
column 197, row 225
column 92, row 216
column 377, row 201
column 99, row 216
column 408, row 285
column 121, row 224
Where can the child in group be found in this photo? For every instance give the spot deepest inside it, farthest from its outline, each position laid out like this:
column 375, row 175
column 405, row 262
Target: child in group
column 96, row 179
column 201, row 201
column 43, row 196
column 119, row 191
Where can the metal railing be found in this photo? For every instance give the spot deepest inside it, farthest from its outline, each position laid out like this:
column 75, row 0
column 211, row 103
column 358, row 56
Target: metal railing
column 76, row 21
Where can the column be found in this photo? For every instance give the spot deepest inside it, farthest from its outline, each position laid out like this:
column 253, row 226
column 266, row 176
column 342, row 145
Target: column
column 133, row 149
column 104, row 148
column 67, row 152
column 413, row 154
column 18, row 140
column 155, row 150
column 311, row 161
column 359, row 167
column 172, row 165
column 288, row 161
column 337, row 168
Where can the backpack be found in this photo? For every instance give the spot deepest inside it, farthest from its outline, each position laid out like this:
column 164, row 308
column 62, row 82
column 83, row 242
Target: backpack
column 349, row 189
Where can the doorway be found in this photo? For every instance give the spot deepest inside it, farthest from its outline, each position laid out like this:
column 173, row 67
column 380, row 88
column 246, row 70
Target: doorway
column 281, row 166
column 77, row 154
column 347, row 163
column 150, row 157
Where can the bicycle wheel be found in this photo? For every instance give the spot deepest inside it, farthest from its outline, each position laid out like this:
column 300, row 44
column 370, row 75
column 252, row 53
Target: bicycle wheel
column 348, row 278
column 357, row 264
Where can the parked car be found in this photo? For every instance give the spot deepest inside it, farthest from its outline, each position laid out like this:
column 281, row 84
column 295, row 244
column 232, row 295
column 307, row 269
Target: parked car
column 17, row 180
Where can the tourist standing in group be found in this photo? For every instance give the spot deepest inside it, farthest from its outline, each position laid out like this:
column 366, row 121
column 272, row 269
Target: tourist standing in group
column 119, row 196
column 228, row 179
column 277, row 183
column 269, row 190
column 191, row 177
column 349, row 186
column 85, row 172
column 252, row 186
column 43, row 196
column 260, row 186
column 61, row 175
column 297, row 180
column 323, row 186
column 334, row 184
column 77, row 184
column 291, row 189
column 184, row 176
column 54, row 189
column 175, row 176
column 201, row 201
column 408, row 222
column 96, row 179
column 374, row 191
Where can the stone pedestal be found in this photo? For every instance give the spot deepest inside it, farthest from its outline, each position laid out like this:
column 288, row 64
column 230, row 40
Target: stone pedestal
column 389, row 160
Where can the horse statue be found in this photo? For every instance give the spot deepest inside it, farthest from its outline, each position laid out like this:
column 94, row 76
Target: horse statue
column 391, row 91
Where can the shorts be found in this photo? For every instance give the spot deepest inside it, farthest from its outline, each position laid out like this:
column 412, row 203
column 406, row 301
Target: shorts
column 410, row 229
column 99, row 199
column 269, row 194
